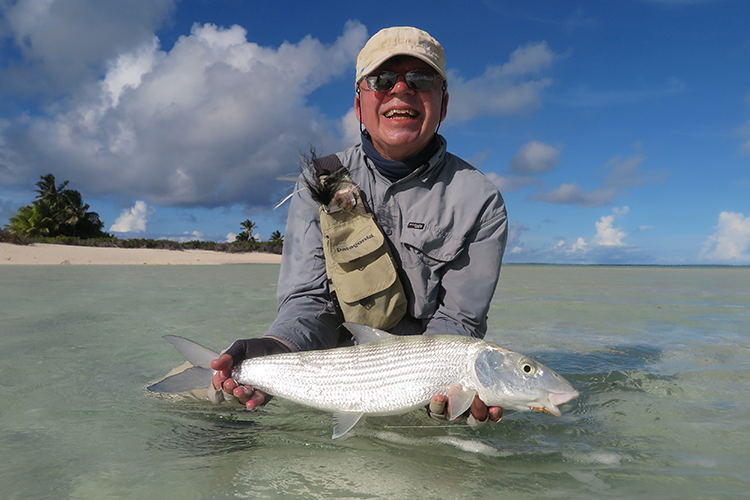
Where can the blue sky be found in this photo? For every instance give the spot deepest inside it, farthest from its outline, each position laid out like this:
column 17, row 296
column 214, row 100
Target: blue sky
column 618, row 132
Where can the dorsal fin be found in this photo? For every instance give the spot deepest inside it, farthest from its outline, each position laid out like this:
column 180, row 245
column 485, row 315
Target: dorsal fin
column 364, row 334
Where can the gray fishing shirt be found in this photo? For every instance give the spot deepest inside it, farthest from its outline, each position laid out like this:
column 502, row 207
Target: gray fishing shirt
column 447, row 227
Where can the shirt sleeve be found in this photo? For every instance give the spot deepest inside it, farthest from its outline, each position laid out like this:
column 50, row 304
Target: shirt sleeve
column 306, row 316
column 469, row 281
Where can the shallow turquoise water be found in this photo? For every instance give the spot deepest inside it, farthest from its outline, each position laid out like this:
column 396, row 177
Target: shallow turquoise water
column 660, row 355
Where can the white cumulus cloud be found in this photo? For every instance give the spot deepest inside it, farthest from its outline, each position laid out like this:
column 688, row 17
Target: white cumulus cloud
column 534, row 158
column 531, row 160
column 211, row 122
column 607, row 235
column 66, row 43
column 731, row 240
column 132, row 220
column 513, row 87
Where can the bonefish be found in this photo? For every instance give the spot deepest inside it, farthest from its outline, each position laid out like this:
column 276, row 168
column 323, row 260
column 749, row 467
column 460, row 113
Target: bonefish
column 386, row 374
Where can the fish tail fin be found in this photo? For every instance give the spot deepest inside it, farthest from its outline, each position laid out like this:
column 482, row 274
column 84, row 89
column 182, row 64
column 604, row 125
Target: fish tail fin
column 193, row 351
column 189, row 380
column 196, row 377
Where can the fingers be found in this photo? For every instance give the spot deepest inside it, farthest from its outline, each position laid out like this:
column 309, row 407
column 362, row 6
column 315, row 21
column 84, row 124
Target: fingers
column 233, row 392
column 223, row 362
column 479, row 409
column 219, row 378
column 496, row 413
column 223, row 367
column 479, row 413
column 437, row 406
column 249, row 397
column 244, row 394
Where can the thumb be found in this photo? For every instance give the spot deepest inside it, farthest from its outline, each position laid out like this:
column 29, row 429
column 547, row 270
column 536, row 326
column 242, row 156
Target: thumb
column 223, row 362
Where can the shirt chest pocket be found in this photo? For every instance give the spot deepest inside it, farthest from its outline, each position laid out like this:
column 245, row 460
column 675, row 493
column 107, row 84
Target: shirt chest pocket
column 429, row 247
column 425, row 255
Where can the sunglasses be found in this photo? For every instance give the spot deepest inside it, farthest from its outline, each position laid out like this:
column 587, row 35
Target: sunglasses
column 385, row 81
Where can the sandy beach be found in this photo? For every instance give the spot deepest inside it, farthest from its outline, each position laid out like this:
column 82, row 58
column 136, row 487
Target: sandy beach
column 40, row 254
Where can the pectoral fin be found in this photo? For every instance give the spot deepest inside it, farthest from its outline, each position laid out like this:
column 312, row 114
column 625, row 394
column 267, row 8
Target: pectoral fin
column 459, row 400
column 343, row 422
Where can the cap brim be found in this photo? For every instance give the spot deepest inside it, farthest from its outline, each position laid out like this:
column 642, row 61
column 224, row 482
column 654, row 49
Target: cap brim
column 378, row 62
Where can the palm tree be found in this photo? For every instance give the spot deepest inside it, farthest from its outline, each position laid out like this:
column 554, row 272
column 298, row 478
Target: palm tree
column 57, row 211
column 248, row 227
column 276, row 238
column 29, row 222
column 71, row 210
column 47, row 190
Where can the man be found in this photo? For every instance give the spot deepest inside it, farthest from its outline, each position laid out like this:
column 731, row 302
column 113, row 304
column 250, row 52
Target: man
column 445, row 223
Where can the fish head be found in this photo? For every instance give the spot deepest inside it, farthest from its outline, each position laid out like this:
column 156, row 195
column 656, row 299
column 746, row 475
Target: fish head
column 513, row 381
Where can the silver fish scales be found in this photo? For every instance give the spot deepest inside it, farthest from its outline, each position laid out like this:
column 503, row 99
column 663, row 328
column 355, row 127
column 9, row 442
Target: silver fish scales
column 384, row 377
column 386, row 374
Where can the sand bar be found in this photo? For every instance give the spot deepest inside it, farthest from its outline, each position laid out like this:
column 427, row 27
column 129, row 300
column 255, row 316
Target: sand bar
column 41, row 254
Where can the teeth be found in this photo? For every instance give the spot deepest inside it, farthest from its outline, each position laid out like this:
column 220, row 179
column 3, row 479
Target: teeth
column 400, row 113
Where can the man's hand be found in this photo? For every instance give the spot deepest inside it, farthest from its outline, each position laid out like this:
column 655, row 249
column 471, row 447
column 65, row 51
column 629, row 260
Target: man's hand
column 223, row 382
column 479, row 415
column 223, row 387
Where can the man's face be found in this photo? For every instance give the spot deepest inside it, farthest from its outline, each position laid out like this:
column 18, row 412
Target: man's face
column 402, row 121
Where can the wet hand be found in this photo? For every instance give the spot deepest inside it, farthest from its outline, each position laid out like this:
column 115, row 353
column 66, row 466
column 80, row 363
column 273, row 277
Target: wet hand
column 224, row 387
column 479, row 412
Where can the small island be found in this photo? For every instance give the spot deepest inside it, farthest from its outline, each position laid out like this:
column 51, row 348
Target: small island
column 58, row 228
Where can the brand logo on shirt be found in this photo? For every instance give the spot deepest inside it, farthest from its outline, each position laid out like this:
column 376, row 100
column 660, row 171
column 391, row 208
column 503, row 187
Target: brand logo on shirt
column 415, row 225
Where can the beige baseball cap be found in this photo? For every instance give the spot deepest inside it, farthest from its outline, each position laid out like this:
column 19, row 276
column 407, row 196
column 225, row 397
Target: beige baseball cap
column 400, row 41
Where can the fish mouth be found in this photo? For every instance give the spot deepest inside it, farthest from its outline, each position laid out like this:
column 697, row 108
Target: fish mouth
column 556, row 399
column 553, row 410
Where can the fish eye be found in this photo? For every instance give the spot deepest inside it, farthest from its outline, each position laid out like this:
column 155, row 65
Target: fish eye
column 527, row 368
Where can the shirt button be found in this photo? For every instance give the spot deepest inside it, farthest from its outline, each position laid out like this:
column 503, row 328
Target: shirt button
column 388, row 231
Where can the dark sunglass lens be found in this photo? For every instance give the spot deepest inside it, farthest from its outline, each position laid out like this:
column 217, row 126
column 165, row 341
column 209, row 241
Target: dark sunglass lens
column 382, row 82
column 419, row 81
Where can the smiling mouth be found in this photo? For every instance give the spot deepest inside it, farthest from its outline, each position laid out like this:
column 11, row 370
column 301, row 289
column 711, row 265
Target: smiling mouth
column 401, row 114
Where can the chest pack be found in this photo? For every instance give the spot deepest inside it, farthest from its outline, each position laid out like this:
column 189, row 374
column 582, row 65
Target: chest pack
column 361, row 271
